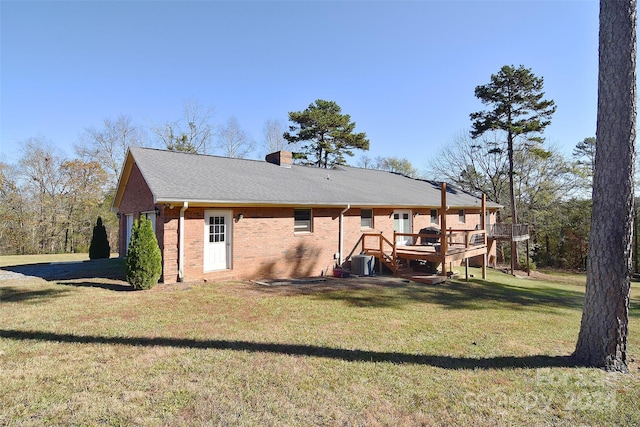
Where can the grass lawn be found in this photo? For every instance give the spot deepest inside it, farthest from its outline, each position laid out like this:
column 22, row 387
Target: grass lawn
column 358, row 351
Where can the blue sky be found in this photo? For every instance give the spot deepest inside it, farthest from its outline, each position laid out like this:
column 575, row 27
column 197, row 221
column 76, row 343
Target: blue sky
column 404, row 71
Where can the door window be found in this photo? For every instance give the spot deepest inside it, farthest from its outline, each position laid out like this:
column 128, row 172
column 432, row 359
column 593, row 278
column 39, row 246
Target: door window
column 216, row 229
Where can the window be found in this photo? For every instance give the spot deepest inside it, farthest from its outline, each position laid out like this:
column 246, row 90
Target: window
column 461, row 218
column 434, row 216
column 366, row 218
column 217, row 229
column 151, row 216
column 302, row 220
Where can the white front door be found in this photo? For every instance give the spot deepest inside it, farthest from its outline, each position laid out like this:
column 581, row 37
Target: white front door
column 402, row 224
column 217, row 240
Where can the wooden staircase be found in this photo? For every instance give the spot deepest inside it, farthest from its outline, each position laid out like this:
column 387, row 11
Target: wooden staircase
column 383, row 250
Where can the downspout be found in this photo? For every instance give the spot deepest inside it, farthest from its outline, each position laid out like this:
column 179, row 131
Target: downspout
column 181, row 242
column 341, row 243
column 443, row 227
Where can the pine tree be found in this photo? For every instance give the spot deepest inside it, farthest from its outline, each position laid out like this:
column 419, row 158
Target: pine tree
column 325, row 134
column 517, row 107
column 604, row 329
column 144, row 260
column 99, row 247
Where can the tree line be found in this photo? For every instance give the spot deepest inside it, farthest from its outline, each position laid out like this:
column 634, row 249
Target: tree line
column 50, row 202
column 552, row 192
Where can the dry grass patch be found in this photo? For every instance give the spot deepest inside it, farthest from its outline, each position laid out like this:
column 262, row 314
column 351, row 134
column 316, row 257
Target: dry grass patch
column 377, row 351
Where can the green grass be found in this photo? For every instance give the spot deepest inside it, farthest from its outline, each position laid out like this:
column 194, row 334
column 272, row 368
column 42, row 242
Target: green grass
column 86, row 351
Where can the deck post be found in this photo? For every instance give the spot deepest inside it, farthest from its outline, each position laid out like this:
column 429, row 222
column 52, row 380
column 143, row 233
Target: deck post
column 443, row 227
column 394, row 258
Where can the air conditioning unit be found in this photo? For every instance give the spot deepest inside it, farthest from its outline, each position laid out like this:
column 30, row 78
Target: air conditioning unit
column 362, row 265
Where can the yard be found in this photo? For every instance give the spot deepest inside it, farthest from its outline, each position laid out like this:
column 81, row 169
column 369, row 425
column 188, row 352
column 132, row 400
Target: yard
column 81, row 350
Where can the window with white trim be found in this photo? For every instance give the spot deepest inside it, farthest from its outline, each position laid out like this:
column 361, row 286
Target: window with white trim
column 302, row 220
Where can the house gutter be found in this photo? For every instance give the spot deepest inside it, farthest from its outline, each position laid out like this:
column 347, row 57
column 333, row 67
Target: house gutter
column 341, row 244
column 184, row 207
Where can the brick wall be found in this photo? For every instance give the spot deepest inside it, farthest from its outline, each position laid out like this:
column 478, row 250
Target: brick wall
column 136, row 199
column 264, row 244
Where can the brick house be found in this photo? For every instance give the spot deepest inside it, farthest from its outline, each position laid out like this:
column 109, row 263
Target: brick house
column 218, row 218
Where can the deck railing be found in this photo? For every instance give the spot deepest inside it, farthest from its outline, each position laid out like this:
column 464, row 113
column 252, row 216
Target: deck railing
column 386, row 250
column 378, row 244
column 508, row 231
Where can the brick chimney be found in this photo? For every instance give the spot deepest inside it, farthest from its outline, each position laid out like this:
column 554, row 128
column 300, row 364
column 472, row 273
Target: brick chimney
column 280, row 158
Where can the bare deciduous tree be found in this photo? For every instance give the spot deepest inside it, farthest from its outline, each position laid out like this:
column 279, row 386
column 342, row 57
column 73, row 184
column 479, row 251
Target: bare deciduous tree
column 273, row 132
column 233, row 141
column 43, row 185
column 365, row 162
column 83, row 193
column 108, row 145
column 14, row 226
column 395, row 164
column 467, row 164
column 193, row 133
column 48, row 203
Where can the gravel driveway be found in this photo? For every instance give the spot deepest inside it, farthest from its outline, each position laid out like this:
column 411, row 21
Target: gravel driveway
column 100, row 268
column 11, row 275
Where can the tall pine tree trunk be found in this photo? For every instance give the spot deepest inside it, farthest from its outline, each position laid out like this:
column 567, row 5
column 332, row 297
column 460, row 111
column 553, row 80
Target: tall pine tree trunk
column 512, row 195
column 602, row 340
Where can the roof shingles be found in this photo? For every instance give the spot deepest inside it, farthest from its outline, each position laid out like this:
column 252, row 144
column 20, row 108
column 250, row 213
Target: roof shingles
column 174, row 176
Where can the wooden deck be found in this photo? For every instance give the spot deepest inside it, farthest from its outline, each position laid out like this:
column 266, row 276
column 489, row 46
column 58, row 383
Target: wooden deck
column 444, row 248
column 457, row 245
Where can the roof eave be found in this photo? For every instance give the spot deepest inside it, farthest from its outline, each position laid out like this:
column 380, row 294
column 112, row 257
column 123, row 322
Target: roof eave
column 122, row 180
column 292, row 203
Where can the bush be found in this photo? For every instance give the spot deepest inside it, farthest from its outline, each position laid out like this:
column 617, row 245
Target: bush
column 144, row 261
column 523, row 264
column 99, row 247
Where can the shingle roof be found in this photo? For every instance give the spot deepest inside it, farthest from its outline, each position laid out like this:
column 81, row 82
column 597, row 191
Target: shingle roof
column 178, row 177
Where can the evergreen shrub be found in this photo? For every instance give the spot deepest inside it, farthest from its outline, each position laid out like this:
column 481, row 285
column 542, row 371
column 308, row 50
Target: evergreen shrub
column 99, row 247
column 144, row 260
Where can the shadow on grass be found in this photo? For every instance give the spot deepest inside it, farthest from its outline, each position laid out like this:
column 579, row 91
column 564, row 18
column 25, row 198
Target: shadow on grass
column 634, row 308
column 108, row 286
column 445, row 362
column 473, row 295
column 14, row 294
column 112, row 268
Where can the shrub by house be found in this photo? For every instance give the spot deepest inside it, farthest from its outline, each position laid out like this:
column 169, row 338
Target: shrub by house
column 144, row 261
